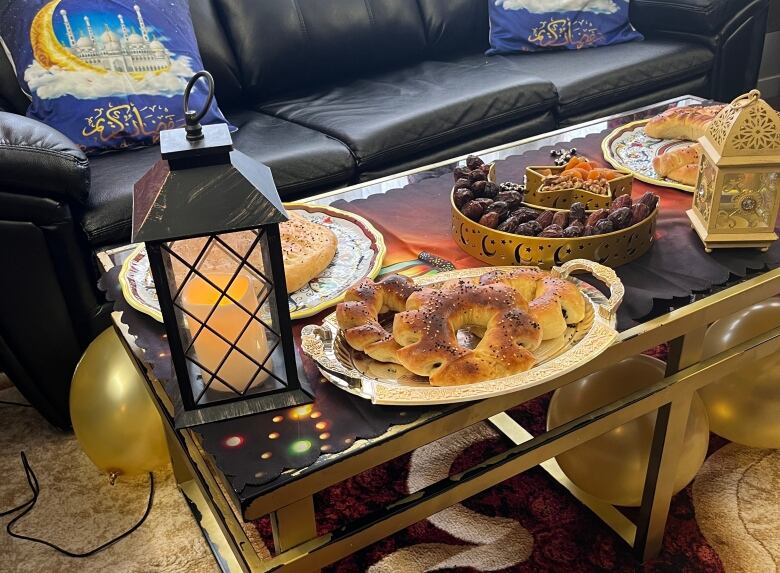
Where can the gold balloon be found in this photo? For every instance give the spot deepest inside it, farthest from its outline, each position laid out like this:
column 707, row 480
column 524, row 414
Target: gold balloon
column 612, row 467
column 744, row 407
column 113, row 416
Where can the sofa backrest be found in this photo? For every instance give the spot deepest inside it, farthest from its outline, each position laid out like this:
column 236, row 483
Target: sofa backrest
column 216, row 52
column 288, row 45
column 257, row 49
column 11, row 96
column 453, row 26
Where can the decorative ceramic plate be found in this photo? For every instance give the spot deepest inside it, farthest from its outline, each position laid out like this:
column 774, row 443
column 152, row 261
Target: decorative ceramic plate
column 630, row 149
column 359, row 254
column 385, row 383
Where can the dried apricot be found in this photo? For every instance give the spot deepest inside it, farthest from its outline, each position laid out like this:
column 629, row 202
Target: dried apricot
column 573, row 162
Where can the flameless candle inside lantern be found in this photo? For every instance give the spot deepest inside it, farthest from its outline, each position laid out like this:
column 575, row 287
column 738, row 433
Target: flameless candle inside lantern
column 228, row 319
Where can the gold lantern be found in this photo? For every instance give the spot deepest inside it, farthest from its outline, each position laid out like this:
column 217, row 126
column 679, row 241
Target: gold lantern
column 737, row 196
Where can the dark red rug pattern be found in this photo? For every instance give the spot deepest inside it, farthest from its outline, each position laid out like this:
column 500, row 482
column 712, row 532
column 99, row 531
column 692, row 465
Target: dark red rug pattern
column 568, row 538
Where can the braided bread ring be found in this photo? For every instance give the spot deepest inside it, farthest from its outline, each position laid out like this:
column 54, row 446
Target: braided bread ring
column 358, row 315
column 554, row 303
column 427, row 330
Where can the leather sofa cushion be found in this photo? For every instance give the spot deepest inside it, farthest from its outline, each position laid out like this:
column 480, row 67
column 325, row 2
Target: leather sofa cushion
column 287, row 45
column 501, row 135
column 705, row 17
column 11, row 96
column 399, row 114
column 695, row 86
column 39, row 160
column 597, row 77
column 299, row 159
column 454, row 26
column 215, row 52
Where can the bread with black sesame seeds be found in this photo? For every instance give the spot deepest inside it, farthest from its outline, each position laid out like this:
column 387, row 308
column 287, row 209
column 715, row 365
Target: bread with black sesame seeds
column 553, row 302
column 427, row 333
column 358, row 315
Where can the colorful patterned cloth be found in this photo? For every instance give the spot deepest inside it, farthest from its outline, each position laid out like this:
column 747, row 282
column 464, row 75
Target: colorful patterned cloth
column 417, row 219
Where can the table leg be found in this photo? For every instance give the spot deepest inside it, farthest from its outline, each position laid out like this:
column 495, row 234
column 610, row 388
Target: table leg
column 610, row 515
column 181, row 471
column 293, row 524
column 670, row 425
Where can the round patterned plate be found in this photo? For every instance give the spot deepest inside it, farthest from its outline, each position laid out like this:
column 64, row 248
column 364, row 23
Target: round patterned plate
column 629, row 149
column 359, row 254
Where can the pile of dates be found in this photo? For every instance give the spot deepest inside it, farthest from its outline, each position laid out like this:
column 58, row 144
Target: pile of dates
column 500, row 207
column 481, row 200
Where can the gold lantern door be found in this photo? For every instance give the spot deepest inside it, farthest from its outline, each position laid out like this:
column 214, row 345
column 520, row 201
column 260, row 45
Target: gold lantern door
column 737, row 196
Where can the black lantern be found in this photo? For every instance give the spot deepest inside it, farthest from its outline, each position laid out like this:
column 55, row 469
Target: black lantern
column 209, row 216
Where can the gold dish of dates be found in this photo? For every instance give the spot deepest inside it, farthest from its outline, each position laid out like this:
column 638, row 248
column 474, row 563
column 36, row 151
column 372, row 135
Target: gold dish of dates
column 559, row 187
column 494, row 224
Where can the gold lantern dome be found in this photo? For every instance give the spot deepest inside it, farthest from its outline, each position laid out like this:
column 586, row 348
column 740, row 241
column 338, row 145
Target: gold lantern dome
column 737, row 197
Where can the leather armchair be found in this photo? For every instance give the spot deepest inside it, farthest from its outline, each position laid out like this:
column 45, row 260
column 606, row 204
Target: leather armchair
column 49, row 307
column 734, row 29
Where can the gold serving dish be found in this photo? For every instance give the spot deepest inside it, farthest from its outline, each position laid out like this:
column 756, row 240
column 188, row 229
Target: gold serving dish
column 562, row 199
column 384, row 383
column 499, row 248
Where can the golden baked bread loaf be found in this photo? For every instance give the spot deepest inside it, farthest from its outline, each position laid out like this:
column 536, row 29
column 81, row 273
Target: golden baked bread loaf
column 687, row 174
column 554, row 303
column 307, row 248
column 358, row 315
column 427, row 332
column 676, row 158
column 682, row 122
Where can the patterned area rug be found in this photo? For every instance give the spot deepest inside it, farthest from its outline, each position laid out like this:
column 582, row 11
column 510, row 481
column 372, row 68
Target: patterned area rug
column 728, row 519
column 79, row 510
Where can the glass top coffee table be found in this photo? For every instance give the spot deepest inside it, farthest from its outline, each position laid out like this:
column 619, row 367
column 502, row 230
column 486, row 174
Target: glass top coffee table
column 272, row 464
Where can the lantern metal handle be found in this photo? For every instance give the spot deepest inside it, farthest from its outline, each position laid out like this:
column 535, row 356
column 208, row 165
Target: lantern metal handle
column 746, row 99
column 192, row 118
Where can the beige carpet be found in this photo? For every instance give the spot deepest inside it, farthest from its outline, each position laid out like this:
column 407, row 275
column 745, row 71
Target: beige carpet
column 737, row 499
column 78, row 509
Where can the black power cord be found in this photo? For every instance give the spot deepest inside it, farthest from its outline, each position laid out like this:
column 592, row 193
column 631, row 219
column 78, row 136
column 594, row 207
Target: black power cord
column 28, row 505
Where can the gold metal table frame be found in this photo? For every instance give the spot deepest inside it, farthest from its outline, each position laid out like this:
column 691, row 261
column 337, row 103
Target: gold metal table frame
column 291, row 505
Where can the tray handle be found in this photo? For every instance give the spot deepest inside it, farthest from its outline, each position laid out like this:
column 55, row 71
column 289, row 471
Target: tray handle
column 605, row 274
column 316, row 341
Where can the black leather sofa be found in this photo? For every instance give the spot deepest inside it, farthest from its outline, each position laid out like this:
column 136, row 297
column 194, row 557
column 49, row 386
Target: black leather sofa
column 326, row 93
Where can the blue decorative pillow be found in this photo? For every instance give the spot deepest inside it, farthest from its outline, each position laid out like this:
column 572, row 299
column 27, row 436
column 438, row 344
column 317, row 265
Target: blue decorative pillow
column 109, row 74
column 533, row 25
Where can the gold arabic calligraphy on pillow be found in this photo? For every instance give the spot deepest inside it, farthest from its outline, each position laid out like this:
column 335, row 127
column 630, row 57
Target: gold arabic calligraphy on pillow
column 562, row 32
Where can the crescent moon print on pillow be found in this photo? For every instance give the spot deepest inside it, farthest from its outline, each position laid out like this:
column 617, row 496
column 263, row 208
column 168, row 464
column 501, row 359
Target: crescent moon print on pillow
column 109, row 74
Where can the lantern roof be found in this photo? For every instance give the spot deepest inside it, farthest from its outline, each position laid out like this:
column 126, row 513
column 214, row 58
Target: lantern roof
column 176, row 200
column 746, row 128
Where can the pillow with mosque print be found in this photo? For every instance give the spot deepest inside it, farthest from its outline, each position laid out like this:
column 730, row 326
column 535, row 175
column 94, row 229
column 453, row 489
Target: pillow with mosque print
column 109, row 74
column 534, row 25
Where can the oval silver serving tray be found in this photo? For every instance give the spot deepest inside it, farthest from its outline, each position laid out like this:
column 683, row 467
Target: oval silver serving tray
column 392, row 384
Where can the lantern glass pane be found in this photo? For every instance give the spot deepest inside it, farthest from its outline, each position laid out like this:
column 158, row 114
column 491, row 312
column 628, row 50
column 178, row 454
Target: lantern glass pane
column 747, row 200
column 705, row 188
column 223, row 294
